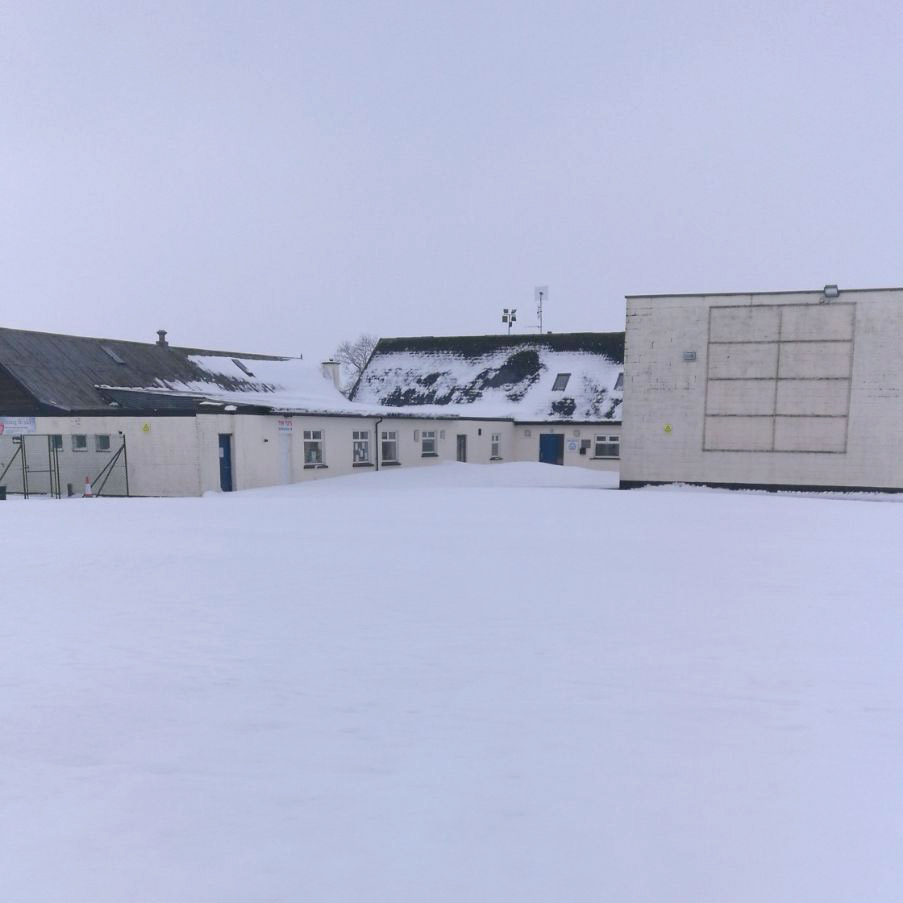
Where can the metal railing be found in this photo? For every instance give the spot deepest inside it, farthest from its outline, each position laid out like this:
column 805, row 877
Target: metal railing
column 38, row 465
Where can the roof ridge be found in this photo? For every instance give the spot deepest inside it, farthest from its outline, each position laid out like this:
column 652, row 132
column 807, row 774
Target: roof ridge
column 181, row 348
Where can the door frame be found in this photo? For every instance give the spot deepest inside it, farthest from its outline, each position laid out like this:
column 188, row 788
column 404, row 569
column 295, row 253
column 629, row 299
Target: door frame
column 226, row 451
column 559, row 437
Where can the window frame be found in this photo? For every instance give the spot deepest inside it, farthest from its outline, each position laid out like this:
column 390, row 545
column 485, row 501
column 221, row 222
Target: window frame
column 81, row 446
column 360, row 439
column 431, row 451
column 97, row 443
column 495, row 446
column 606, row 441
column 314, row 440
column 388, row 437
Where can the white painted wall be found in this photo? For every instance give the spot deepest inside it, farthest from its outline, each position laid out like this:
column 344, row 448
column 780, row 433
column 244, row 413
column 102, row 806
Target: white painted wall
column 179, row 456
column 264, row 455
column 162, row 452
column 526, row 442
column 808, row 362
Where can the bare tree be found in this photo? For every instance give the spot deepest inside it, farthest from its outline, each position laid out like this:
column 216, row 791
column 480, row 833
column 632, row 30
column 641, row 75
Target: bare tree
column 353, row 357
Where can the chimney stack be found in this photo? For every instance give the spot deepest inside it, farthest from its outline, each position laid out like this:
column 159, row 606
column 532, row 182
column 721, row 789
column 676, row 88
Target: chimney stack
column 331, row 371
column 161, row 341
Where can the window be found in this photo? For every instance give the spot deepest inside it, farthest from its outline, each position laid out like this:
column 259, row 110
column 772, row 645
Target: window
column 79, row 442
column 619, row 382
column 242, row 366
column 428, row 443
column 561, row 382
column 607, row 447
column 102, row 443
column 56, row 442
column 496, row 447
column 313, row 448
column 360, row 447
column 110, row 353
column 389, row 447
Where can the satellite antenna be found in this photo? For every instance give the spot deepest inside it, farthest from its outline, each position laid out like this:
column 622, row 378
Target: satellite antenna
column 509, row 317
column 540, row 294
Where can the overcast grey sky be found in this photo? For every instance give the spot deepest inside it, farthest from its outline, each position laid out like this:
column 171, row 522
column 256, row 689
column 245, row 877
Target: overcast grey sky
column 278, row 176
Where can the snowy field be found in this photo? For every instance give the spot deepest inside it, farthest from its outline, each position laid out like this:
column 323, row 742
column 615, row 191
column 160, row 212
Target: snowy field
column 449, row 685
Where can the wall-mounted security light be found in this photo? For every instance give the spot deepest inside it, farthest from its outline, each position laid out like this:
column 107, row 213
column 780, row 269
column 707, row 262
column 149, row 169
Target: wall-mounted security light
column 831, row 291
column 689, row 355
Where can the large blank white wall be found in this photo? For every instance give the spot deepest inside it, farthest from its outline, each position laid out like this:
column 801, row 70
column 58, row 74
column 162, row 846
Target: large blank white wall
column 785, row 389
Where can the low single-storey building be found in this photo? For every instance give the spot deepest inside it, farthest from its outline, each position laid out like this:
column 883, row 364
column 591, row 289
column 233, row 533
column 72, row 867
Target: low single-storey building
column 560, row 393
column 133, row 418
column 765, row 389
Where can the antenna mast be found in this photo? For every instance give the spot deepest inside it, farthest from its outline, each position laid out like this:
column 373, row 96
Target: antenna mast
column 540, row 294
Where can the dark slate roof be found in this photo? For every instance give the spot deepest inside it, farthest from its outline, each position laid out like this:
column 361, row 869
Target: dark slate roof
column 472, row 347
column 505, row 376
column 62, row 372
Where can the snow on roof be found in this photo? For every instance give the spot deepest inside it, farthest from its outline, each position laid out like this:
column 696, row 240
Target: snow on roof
column 494, row 377
column 282, row 385
column 519, row 377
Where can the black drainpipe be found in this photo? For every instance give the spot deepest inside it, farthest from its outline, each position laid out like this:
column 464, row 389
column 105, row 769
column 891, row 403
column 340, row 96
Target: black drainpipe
column 376, row 441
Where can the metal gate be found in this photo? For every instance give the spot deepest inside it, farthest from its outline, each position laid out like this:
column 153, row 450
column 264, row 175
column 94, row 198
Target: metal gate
column 37, row 464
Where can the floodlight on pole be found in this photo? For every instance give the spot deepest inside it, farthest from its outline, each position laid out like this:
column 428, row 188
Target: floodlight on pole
column 509, row 317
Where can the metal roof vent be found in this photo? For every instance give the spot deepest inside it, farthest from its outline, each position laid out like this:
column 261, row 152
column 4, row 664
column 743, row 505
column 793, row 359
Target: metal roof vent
column 161, row 338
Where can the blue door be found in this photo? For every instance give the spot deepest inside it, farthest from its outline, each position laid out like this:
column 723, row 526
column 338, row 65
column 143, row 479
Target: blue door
column 551, row 448
column 225, row 462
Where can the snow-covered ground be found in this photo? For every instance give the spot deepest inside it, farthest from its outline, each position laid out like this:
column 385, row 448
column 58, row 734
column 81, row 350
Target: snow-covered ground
column 445, row 685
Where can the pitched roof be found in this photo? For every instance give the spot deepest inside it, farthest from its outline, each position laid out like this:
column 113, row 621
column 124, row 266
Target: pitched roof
column 89, row 375
column 500, row 376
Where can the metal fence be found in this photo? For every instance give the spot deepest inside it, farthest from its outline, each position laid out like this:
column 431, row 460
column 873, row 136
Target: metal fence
column 58, row 466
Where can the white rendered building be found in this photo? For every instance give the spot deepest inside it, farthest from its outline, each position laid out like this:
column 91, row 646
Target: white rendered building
column 771, row 390
column 132, row 418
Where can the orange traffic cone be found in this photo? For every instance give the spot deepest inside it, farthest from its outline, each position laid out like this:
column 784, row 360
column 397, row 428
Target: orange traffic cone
column 88, row 494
